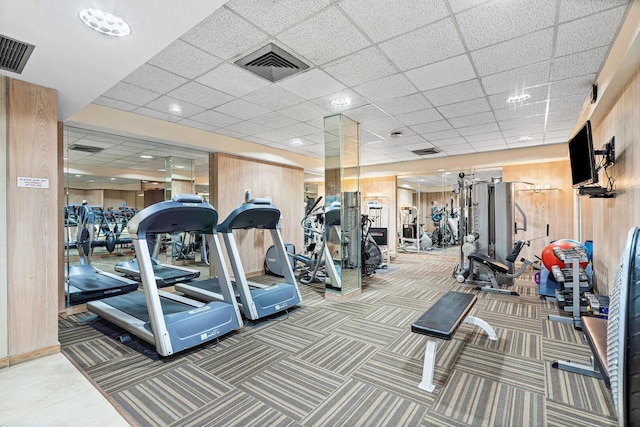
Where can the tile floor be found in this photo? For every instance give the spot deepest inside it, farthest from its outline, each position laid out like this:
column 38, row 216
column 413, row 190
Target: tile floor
column 50, row 391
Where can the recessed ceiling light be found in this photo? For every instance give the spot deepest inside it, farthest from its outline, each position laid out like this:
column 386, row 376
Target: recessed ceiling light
column 296, row 142
column 340, row 102
column 179, row 167
column 518, row 98
column 146, row 156
column 395, row 134
column 78, row 174
column 154, row 183
column 112, row 179
column 92, row 180
column 524, row 138
column 104, row 22
column 175, row 108
column 440, row 170
column 161, row 170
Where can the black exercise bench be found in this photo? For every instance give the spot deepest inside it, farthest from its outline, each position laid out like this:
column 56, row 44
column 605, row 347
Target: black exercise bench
column 441, row 321
column 595, row 330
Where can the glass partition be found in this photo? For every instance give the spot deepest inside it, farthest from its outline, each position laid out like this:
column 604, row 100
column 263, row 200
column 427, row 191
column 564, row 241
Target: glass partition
column 342, row 206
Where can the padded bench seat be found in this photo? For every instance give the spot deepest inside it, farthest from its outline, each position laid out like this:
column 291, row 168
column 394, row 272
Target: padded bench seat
column 441, row 321
column 489, row 262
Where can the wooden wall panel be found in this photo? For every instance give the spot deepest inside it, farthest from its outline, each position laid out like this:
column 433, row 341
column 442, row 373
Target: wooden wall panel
column 33, row 259
column 611, row 219
column 115, row 198
column 4, row 360
column 553, row 206
column 231, row 176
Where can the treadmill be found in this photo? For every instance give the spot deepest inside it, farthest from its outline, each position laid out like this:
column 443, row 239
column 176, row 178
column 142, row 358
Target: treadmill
column 164, row 274
column 172, row 322
column 85, row 282
column 256, row 300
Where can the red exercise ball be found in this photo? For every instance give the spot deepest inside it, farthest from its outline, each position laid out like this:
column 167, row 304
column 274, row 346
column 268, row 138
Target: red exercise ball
column 549, row 259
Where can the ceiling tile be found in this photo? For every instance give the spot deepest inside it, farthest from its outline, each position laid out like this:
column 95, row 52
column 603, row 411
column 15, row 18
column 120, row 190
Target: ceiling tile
column 229, row 132
column 418, row 117
column 410, row 140
column 355, row 100
column 274, row 136
column 200, row 94
column 424, row 46
column 568, row 125
column 465, row 108
column 306, row 111
column 449, row 142
column 485, row 128
column 154, row 78
column 273, row 97
column 384, row 127
column 247, row 128
column 324, row 37
column 299, row 130
column 215, row 119
column 518, row 111
column 443, row 73
column 496, row 145
column 273, row 120
column 525, row 50
column 163, row 104
column 575, row 103
column 225, row 34
column 275, row 16
column 482, row 137
column 317, row 123
column 498, row 20
column 530, row 75
column 573, row 9
column 184, row 60
column 439, row 136
column 232, row 79
column 311, row 84
column 431, row 127
column 575, row 86
column 472, row 120
column 241, row 109
column 114, row 103
column 564, row 115
column 130, row 94
column 360, row 67
column 558, row 134
column 457, row 149
column 405, row 104
column 386, row 88
column 470, row 89
column 366, row 113
column 589, row 32
column 460, row 5
column 525, row 128
column 382, row 19
column 537, row 94
column 578, row 64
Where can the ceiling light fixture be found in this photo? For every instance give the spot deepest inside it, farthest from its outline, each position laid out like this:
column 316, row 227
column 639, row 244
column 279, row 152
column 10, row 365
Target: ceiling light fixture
column 340, row 102
column 524, row 138
column 179, row 167
column 296, row 142
column 518, row 98
column 146, row 156
column 104, row 22
column 395, row 135
column 175, row 108
column 112, row 179
column 440, row 170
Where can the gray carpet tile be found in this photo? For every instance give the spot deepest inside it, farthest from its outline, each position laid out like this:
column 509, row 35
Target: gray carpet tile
column 361, row 404
column 292, row 387
column 358, row 363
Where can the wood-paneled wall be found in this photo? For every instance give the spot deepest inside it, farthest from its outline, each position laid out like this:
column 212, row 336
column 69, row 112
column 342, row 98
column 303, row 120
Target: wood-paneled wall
column 231, row 176
column 553, row 206
column 609, row 220
column 4, row 352
column 32, row 263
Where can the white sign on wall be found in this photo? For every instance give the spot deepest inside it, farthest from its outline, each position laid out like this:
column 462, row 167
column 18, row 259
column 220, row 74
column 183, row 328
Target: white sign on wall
column 27, row 182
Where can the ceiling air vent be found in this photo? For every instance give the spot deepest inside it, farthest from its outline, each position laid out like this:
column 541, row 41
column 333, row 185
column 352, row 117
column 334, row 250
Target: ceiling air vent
column 272, row 63
column 85, row 148
column 426, row 151
column 14, row 54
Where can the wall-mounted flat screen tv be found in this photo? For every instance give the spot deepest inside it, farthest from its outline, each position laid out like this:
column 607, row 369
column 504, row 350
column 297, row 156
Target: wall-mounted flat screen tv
column 582, row 157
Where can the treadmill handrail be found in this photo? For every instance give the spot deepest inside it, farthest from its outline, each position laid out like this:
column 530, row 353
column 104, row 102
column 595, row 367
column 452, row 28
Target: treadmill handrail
column 183, row 213
column 251, row 215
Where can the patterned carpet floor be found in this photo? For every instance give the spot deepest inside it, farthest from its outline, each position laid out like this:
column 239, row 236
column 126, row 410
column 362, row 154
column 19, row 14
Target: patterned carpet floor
column 357, row 363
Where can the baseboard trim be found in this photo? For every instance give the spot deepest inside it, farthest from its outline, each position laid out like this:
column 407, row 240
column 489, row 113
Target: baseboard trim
column 46, row 351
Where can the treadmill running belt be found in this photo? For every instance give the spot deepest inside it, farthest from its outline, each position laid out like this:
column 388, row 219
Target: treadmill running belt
column 134, row 304
column 95, row 282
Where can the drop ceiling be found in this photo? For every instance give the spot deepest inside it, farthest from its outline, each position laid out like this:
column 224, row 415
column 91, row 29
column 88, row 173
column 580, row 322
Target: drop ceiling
column 438, row 71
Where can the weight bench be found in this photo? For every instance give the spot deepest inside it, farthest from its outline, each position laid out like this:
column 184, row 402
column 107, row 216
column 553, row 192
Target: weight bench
column 595, row 329
column 441, row 321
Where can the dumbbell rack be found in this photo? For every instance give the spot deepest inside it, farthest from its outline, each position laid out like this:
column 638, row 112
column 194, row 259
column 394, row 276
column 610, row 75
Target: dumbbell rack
column 572, row 276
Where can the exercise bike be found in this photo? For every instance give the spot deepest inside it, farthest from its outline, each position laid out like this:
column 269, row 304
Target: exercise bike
column 370, row 251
